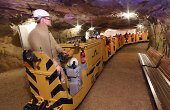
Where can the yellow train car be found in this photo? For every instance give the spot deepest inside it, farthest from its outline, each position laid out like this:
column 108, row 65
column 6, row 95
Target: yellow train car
column 45, row 83
column 137, row 36
column 126, row 39
column 85, row 63
column 113, row 40
column 88, row 54
column 46, row 86
column 111, row 45
column 133, row 38
column 121, row 40
column 142, row 37
column 104, row 49
column 48, row 91
column 116, row 43
column 145, row 36
column 129, row 39
column 108, row 46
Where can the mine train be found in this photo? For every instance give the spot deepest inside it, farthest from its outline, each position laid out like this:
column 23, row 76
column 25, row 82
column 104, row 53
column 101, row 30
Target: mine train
column 82, row 66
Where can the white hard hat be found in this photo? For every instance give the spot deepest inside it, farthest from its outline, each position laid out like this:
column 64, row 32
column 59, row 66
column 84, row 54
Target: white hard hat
column 40, row 13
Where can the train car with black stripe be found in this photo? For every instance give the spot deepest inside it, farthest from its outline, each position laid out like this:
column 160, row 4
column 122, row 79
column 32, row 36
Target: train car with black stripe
column 109, row 45
column 48, row 91
column 82, row 67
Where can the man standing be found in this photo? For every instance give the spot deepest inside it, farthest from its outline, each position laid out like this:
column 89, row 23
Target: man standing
column 41, row 39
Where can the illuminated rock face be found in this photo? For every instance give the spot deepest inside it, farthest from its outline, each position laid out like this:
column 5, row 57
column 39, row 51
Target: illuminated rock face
column 98, row 11
column 10, row 55
column 66, row 13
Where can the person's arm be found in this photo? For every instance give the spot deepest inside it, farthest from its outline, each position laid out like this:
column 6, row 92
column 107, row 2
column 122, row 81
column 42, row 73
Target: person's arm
column 59, row 48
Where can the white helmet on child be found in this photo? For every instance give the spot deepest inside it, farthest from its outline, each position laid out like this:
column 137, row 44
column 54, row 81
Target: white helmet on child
column 39, row 13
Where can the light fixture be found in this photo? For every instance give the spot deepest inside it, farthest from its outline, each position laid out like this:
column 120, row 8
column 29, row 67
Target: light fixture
column 129, row 15
column 78, row 26
column 139, row 25
column 91, row 28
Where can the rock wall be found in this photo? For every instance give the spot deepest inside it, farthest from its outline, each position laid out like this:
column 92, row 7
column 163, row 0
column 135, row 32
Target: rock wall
column 62, row 35
column 10, row 55
column 159, row 34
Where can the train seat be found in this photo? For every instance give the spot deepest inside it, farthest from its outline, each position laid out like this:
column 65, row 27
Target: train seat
column 24, row 31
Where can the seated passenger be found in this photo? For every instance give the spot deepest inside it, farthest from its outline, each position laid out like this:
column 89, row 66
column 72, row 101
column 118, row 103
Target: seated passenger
column 126, row 37
column 41, row 39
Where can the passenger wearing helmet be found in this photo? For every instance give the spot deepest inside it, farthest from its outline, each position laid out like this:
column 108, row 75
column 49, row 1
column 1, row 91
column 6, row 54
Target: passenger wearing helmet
column 41, row 39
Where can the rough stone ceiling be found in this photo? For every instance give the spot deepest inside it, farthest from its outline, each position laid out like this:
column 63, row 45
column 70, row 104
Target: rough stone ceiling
column 101, row 13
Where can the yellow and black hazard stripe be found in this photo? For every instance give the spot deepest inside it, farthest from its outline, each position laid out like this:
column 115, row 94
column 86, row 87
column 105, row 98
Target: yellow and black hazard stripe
column 34, row 100
column 61, row 101
column 58, row 87
column 56, row 91
column 91, row 71
column 34, row 90
column 53, row 77
column 49, row 64
column 34, row 80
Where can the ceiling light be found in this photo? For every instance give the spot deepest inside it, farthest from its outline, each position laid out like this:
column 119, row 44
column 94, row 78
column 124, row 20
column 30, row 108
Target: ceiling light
column 139, row 25
column 78, row 26
column 129, row 15
column 91, row 29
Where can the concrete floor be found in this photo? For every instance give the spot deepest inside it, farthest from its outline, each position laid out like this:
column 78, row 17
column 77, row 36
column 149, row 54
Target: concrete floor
column 121, row 85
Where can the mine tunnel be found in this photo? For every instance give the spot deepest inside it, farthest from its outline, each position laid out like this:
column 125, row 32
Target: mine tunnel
column 85, row 55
